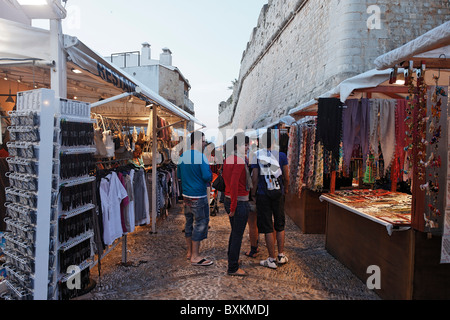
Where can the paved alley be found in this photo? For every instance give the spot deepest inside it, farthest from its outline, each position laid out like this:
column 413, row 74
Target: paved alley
column 158, row 269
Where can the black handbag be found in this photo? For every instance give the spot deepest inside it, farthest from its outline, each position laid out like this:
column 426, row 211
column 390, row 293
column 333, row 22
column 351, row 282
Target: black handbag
column 219, row 183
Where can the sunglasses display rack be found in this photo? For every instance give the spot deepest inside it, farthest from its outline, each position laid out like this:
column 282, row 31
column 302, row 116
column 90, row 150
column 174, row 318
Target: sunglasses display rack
column 50, row 204
column 76, row 203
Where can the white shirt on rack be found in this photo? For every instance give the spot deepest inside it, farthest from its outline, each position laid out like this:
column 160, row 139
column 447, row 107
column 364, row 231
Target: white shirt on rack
column 112, row 193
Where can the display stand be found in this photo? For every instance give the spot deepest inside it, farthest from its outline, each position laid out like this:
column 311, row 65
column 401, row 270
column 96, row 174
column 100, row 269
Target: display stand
column 359, row 242
column 48, row 204
column 307, row 212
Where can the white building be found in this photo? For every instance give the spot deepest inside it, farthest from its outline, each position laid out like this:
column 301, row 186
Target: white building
column 158, row 75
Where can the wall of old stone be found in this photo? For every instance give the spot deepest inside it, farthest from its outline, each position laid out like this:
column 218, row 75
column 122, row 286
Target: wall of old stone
column 302, row 48
column 170, row 86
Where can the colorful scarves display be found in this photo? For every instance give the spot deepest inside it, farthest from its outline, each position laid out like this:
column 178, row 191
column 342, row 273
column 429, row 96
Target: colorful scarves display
column 376, row 126
column 293, row 153
column 302, row 161
column 306, row 157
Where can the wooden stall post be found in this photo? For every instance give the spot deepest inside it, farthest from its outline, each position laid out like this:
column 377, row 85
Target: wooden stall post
column 333, row 182
column 394, row 171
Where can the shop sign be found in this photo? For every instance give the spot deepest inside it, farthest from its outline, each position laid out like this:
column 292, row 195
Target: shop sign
column 115, row 79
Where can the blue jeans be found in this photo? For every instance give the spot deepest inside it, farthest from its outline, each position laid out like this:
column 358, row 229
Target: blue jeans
column 196, row 212
column 238, row 223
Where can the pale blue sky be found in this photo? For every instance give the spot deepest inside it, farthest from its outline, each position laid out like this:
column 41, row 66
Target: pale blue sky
column 207, row 38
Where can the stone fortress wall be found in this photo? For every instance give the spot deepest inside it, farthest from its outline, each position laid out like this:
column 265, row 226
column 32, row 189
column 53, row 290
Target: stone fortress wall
column 302, row 48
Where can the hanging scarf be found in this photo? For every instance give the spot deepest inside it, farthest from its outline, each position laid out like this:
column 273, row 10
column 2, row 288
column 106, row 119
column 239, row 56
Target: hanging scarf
column 355, row 129
column 319, row 169
column 387, row 131
column 311, row 157
column 374, row 127
column 301, row 163
column 329, row 125
column 293, row 151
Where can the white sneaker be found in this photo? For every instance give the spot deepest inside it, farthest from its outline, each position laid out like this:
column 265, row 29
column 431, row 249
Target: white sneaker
column 269, row 263
column 282, row 259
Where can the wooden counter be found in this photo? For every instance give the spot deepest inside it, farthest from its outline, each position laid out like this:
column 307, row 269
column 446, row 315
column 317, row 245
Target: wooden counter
column 409, row 261
column 359, row 243
column 307, row 212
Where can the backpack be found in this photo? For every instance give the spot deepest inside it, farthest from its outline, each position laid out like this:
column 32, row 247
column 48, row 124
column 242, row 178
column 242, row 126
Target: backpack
column 271, row 175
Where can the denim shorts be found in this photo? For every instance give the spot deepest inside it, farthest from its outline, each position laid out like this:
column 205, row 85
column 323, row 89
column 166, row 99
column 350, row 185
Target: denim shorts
column 196, row 212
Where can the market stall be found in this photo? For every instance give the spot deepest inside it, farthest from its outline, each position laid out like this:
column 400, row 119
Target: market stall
column 57, row 89
column 313, row 176
column 369, row 228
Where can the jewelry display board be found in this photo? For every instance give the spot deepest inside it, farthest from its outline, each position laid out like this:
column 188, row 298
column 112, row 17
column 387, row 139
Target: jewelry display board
column 386, row 207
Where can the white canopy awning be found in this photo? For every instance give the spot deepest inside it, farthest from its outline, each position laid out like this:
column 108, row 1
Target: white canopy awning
column 369, row 79
column 429, row 48
column 25, row 53
column 19, row 41
column 88, row 60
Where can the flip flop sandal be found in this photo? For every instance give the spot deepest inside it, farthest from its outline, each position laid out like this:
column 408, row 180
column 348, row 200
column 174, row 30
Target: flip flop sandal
column 252, row 253
column 242, row 273
column 203, row 263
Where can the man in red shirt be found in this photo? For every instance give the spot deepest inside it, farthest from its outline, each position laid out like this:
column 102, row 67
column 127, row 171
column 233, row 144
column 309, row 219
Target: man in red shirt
column 236, row 175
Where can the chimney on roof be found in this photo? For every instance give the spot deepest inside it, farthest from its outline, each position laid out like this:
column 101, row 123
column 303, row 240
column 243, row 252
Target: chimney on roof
column 146, row 54
column 165, row 57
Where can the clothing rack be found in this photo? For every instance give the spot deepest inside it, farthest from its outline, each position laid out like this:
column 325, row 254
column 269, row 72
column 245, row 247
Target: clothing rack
column 123, row 239
column 114, row 161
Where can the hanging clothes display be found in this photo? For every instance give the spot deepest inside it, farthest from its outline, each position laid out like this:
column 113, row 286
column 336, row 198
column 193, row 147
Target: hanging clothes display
column 310, row 157
column 166, row 187
column 128, row 209
column 355, row 129
column 372, row 139
column 141, row 201
column 374, row 129
column 122, row 200
column 307, row 155
column 293, row 153
column 302, row 162
column 329, row 125
column 112, row 193
column 318, row 169
column 387, row 130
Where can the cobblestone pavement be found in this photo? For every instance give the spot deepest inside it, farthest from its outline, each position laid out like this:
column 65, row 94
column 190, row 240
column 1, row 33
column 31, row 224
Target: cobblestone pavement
column 158, row 268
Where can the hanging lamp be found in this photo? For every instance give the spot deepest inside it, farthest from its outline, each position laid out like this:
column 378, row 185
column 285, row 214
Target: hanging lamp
column 10, row 98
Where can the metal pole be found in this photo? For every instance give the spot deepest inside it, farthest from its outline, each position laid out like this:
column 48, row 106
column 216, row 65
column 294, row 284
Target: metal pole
column 48, row 111
column 58, row 73
column 124, row 249
column 154, row 164
column 120, row 96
